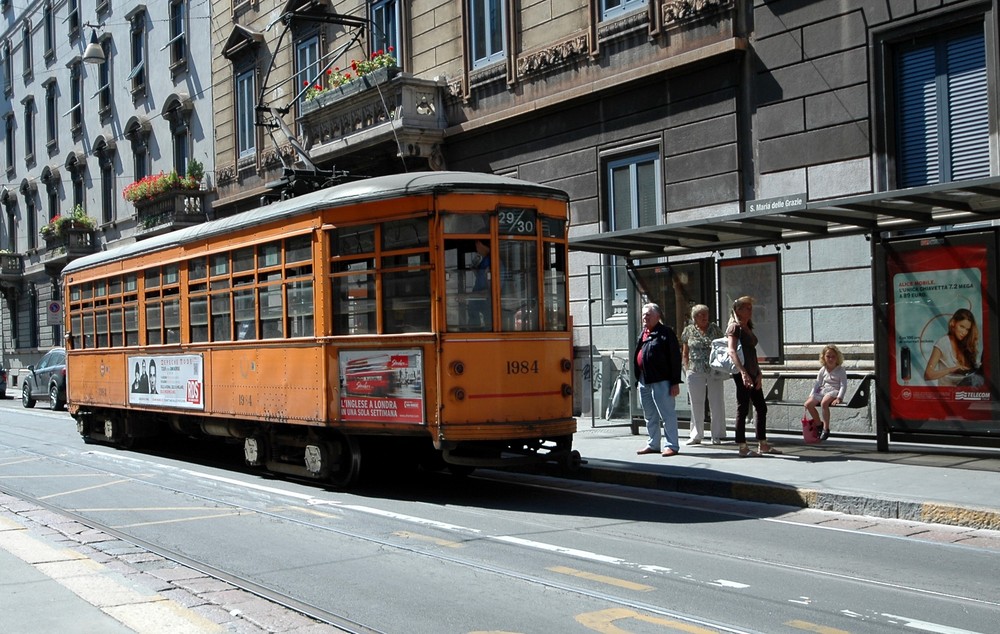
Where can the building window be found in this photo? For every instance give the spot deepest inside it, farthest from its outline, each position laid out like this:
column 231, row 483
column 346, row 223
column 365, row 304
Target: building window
column 8, row 70
column 52, row 199
column 385, row 20
column 76, row 168
column 634, row 201
column 942, row 110
column 307, row 65
column 73, row 18
column 178, row 35
column 11, row 228
column 177, row 112
column 106, row 160
column 31, row 215
column 8, row 137
column 246, row 131
column 51, row 119
column 137, row 46
column 613, row 8
column 49, row 27
column 137, row 133
column 27, row 63
column 29, row 130
column 488, row 28
column 75, row 112
column 104, row 97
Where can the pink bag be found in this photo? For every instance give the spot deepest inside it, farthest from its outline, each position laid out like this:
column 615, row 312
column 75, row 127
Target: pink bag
column 811, row 430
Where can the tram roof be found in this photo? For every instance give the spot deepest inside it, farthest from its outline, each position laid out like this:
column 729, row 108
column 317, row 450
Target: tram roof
column 353, row 192
column 917, row 208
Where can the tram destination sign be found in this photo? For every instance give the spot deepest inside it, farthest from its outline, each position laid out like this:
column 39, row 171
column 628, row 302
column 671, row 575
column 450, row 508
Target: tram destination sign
column 792, row 202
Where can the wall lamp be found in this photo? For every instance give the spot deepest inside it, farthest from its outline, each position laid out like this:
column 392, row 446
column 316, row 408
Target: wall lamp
column 94, row 53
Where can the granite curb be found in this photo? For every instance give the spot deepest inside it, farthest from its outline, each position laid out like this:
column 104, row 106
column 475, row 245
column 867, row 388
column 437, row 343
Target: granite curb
column 851, row 504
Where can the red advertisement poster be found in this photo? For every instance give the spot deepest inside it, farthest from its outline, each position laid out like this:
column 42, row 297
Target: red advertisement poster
column 939, row 327
column 384, row 386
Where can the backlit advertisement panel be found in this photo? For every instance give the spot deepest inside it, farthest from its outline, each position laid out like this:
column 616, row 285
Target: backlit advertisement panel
column 940, row 329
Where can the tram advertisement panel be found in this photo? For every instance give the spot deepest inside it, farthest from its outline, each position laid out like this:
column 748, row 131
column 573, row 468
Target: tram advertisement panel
column 167, row 380
column 939, row 329
column 383, row 386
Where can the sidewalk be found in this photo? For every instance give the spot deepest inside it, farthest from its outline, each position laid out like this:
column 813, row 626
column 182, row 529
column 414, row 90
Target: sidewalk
column 924, row 483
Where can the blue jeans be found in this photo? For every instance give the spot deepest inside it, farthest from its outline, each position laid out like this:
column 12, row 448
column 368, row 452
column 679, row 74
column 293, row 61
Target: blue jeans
column 658, row 407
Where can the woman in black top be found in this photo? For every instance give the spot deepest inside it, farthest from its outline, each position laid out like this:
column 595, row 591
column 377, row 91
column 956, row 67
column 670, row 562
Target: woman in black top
column 749, row 384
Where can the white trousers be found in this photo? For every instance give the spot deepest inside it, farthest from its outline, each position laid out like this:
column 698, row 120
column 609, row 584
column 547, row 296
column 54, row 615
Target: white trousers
column 713, row 384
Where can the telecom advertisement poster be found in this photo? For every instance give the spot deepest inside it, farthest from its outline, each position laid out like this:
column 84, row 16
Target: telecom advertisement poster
column 167, row 381
column 382, row 386
column 939, row 326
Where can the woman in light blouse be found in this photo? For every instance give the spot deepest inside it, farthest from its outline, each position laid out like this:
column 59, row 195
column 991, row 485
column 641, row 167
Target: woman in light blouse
column 696, row 350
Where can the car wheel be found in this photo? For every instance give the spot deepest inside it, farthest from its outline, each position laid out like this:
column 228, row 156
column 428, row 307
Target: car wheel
column 56, row 402
column 26, row 399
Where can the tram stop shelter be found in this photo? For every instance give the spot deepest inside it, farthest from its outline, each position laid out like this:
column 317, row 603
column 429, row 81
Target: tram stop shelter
column 934, row 249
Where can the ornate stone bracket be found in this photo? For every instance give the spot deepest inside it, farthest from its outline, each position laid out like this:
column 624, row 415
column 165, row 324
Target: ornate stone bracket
column 553, row 57
column 686, row 10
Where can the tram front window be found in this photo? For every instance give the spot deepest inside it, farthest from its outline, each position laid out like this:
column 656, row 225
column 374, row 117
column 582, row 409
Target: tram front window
column 519, row 285
column 468, row 279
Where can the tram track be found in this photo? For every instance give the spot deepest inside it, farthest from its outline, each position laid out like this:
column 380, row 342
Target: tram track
column 338, row 621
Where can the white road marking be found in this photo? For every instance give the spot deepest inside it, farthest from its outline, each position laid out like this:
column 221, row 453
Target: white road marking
column 926, row 626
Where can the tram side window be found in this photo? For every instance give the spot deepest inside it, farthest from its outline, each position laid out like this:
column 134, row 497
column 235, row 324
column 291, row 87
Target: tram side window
column 406, row 293
column 406, row 281
column 354, row 298
column 354, row 280
column 300, row 309
column 554, row 280
column 132, row 325
column 467, row 275
column 519, row 284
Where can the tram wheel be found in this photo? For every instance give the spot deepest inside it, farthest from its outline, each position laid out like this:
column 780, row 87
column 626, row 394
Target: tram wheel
column 345, row 461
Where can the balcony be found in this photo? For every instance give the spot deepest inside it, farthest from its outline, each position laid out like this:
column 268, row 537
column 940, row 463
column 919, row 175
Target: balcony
column 386, row 109
column 64, row 247
column 11, row 267
column 170, row 211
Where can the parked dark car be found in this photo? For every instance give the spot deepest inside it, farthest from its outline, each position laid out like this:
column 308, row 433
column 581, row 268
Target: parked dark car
column 3, row 383
column 46, row 381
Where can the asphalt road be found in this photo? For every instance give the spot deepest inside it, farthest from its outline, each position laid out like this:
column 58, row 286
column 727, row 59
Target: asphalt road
column 431, row 553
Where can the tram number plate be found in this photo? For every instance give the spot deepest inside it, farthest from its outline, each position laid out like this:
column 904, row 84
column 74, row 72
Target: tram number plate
column 517, row 221
column 529, row 366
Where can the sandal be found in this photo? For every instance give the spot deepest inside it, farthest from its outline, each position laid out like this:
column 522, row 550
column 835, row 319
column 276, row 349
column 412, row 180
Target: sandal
column 765, row 448
column 747, row 452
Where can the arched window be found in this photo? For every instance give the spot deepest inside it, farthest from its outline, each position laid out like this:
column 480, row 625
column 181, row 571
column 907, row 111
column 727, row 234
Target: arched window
column 177, row 110
column 105, row 151
column 137, row 131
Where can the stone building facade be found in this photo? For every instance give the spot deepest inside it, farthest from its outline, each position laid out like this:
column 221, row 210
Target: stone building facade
column 78, row 131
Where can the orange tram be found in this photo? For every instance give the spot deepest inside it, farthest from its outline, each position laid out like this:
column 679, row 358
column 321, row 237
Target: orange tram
column 416, row 314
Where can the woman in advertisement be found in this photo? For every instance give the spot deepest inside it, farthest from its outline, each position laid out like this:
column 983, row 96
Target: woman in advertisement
column 955, row 357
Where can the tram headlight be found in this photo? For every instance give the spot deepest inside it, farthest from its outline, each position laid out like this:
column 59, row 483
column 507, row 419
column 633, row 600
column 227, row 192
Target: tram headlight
column 566, row 365
column 567, row 389
column 457, row 368
column 458, row 393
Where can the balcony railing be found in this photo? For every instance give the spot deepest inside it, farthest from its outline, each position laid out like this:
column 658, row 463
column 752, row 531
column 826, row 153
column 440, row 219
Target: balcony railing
column 70, row 244
column 400, row 109
column 169, row 211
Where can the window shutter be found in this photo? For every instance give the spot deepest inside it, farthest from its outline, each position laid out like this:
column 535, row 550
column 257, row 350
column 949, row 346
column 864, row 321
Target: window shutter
column 968, row 108
column 918, row 153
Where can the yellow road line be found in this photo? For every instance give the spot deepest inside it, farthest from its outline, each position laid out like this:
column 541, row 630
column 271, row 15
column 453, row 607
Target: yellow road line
column 613, row 581
column 603, row 621
column 427, row 538
column 813, row 627
column 211, row 516
column 96, row 486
